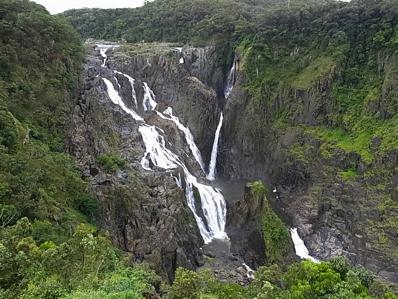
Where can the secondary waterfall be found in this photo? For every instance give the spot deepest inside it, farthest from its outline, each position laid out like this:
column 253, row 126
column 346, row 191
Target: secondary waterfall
column 157, row 154
column 188, row 135
column 213, row 159
column 214, row 152
column 299, row 246
column 148, row 102
column 132, row 82
column 181, row 60
column 116, row 99
column 230, row 81
column 103, row 49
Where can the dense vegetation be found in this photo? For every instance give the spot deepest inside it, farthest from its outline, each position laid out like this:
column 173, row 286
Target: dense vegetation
column 176, row 20
column 333, row 279
column 49, row 247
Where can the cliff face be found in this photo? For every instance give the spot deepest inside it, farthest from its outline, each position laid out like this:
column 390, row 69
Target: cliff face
column 145, row 212
column 340, row 199
column 339, row 195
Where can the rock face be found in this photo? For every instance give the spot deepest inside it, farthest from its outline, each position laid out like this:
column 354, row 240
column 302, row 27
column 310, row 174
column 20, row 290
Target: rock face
column 335, row 215
column 191, row 88
column 244, row 222
column 145, row 212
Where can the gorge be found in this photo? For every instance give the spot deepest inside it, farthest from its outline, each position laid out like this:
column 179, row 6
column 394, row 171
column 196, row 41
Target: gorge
column 199, row 149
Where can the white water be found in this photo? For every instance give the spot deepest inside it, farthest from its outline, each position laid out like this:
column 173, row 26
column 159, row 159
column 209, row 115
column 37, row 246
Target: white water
column 132, row 82
column 148, row 102
column 249, row 271
column 177, row 180
column 157, row 154
column 230, row 81
column 116, row 99
column 213, row 204
column 213, row 160
column 188, row 135
column 118, row 84
column 103, row 49
column 299, row 246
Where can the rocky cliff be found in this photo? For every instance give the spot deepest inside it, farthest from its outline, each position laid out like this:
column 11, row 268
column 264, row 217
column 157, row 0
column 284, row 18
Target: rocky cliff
column 145, row 212
column 338, row 194
column 337, row 198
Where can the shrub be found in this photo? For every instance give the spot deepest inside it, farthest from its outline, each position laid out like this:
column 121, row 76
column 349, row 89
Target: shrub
column 111, row 162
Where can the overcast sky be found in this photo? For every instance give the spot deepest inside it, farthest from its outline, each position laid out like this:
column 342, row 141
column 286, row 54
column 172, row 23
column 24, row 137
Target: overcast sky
column 56, row 6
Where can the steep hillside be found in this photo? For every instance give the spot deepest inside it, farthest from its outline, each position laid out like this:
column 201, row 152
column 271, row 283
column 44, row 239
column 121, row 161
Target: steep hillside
column 49, row 245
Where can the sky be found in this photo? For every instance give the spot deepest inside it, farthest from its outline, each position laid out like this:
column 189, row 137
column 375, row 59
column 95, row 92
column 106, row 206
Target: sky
column 57, row 6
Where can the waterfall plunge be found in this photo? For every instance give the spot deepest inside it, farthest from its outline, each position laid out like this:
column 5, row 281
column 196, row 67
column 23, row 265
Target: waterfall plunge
column 230, row 81
column 213, row 160
column 214, row 152
column 299, row 246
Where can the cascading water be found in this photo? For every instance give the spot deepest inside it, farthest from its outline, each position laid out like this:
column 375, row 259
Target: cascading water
column 230, row 81
column 116, row 99
column 157, row 154
column 132, row 82
column 299, row 246
column 188, row 135
column 213, row 159
column 103, row 49
column 181, row 60
column 213, row 204
column 148, row 102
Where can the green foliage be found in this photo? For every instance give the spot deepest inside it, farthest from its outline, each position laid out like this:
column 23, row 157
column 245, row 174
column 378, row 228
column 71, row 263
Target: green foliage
column 84, row 261
column 111, row 162
column 186, row 285
column 47, row 249
column 258, row 189
column 203, row 285
column 276, row 235
column 348, row 174
column 8, row 130
column 317, row 70
column 332, row 279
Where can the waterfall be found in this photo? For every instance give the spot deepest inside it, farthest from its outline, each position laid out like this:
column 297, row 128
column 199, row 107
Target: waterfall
column 181, row 60
column 299, row 246
column 157, row 154
column 168, row 114
column 148, row 102
column 214, row 151
column 103, row 49
column 230, row 81
column 249, row 271
column 116, row 99
column 132, row 82
column 213, row 203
